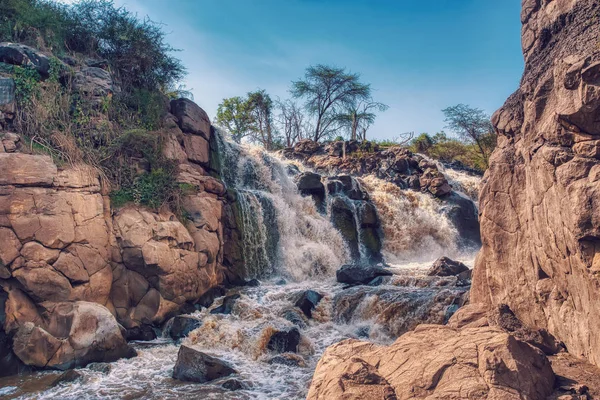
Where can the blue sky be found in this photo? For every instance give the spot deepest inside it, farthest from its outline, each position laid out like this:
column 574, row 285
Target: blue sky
column 419, row 56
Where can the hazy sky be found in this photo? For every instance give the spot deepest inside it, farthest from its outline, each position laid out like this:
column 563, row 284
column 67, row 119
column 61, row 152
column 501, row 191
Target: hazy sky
column 420, row 56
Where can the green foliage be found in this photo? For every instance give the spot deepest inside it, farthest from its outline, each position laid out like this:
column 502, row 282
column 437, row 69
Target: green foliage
column 27, row 83
column 473, row 126
column 38, row 23
column 328, row 92
column 135, row 49
column 139, row 108
column 151, row 189
column 448, row 149
column 235, row 115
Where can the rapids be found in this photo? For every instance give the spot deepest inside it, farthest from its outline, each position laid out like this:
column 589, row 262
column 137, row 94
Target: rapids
column 290, row 247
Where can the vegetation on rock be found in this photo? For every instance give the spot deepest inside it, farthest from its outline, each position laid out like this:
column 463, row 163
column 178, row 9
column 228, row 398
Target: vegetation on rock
column 110, row 79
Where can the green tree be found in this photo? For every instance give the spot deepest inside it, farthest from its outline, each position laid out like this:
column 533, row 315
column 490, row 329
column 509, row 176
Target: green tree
column 359, row 116
column 235, row 115
column 422, row 143
column 473, row 125
column 260, row 107
column 327, row 92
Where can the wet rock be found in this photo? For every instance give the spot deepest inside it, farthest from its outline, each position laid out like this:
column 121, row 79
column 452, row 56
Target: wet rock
column 309, row 184
column 103, row 368
column 195, row 366
column 21, row 55
column 492, row 364
column 396, row 310
column 207, row 299
column 252, row 283
column 470, row 316
column 289, row 359
column 227, row 306
column 462, row 212
column 234, row 384
column 308, row 301
column 144, row 333
column 342, row 217
column 182, row 325
column 355, row 274
column 69, row 376
column 295, row 317
column 283, row 341
column 444, row 266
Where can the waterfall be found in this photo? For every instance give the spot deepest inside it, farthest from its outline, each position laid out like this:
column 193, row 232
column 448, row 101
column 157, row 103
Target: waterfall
column 413, row 224
column 282, row 231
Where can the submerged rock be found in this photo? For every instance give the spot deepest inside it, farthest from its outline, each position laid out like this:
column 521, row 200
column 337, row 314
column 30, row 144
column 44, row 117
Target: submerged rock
column 308, row 301
column 355, row 274
column 289, row 359
column 234, row 384
column 444, row 266
column 195, row 366
column 227, row 306
column 284, row 341
column 69, row 376
column 207, row 299
column 182, row 325
column 143, row 333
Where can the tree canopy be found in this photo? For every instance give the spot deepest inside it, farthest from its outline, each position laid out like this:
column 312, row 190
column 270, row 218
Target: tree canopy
column 327, row 92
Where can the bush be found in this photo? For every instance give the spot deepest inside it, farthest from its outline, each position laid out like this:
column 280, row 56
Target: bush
column 447, row 149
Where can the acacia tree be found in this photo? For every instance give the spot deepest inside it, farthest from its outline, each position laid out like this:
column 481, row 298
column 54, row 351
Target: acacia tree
column 327, row 92
column 474, row 126
column 291, row 122
column 235, row 115
column 359, row 116
column 260, row 106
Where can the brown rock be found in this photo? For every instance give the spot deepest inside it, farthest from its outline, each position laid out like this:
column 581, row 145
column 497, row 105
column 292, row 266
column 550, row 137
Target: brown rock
column 43, row 283
column 25, row 169
column 197, row 149
column 435, row 362
column 9, row 246
column 91, row 332
column 539, row 201
column 33, row 251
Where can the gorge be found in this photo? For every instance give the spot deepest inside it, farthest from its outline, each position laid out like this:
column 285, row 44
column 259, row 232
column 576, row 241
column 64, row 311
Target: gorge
column 336, row 270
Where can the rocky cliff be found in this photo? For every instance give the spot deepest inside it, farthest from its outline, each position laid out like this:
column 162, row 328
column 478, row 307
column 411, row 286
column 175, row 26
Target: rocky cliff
column 539, row 200
column 77, row 275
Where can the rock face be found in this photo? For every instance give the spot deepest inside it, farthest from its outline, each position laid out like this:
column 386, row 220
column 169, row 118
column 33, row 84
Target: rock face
column 73, row 269
column 435, row 362
column 539, row 201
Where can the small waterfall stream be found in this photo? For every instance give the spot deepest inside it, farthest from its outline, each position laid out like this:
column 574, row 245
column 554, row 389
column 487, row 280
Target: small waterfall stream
column 291, row 246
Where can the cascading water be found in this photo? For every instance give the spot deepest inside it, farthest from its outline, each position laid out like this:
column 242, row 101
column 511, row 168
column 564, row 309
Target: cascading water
column 284, row 235
column 282, row 231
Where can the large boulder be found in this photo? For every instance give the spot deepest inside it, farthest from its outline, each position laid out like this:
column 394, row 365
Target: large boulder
column 191, row 118
column 284, row 341
column 180, row 326
column 76, row 334
column 25, row 56
column 195, row 366
column 539, row 200
column 308, row 301
column 435, row 362
column 462, row 212
column 309, row 184
column 94, row 82
column 356, row 274
column 444, row 266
